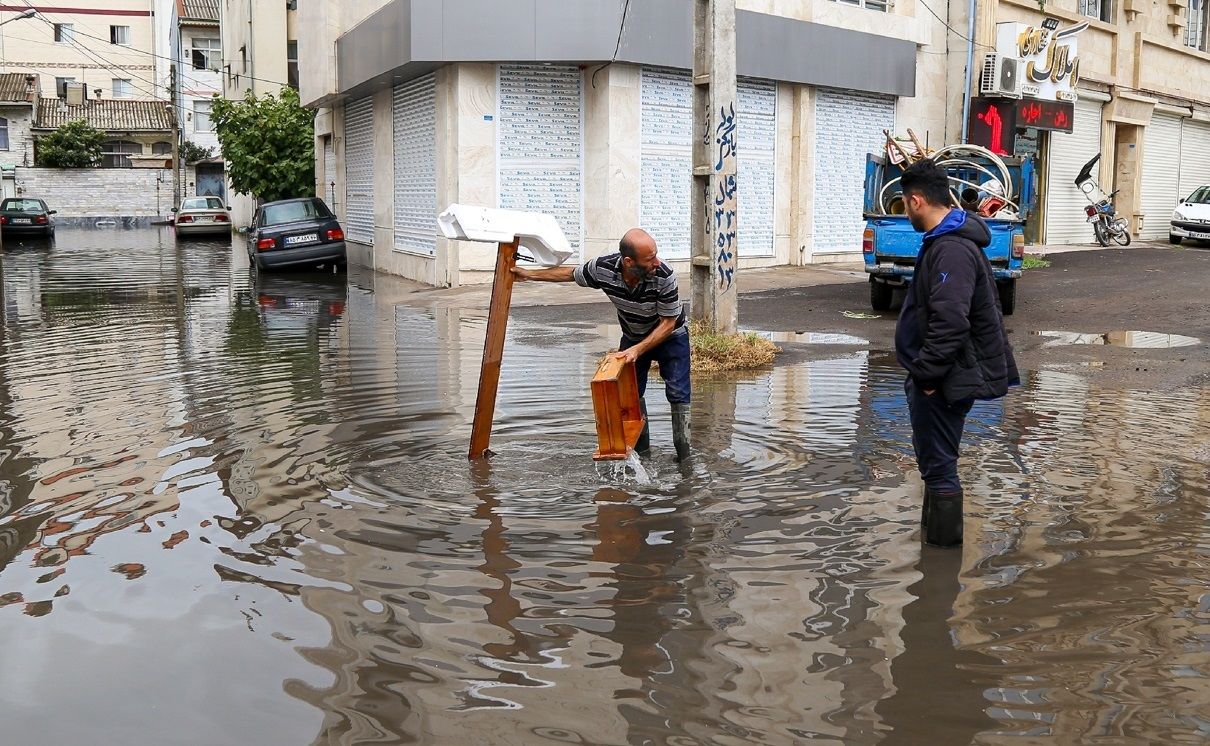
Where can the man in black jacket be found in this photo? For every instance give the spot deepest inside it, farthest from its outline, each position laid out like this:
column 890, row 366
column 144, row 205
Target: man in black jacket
column 950, row 338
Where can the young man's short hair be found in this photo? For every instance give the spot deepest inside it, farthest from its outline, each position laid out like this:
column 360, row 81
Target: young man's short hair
column 927, row 179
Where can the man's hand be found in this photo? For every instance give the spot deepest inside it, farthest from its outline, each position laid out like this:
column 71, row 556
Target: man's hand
column 628, row 356
column 520, row 274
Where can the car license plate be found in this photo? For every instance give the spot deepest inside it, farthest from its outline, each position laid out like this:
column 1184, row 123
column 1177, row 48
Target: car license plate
column 22, row 221
column 204, row 219
column 308, row 238
column 1200, row 236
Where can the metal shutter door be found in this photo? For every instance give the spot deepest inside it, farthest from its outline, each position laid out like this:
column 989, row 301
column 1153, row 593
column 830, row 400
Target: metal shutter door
column 1195, row 157
column 666, row 122
column 666, row 115
column 1065, row 219
column 757, row 112
column 329, row 184
column 414, row 114
column 848, row 127
column 1161, row 174
column 539, row 144
column 359, row 171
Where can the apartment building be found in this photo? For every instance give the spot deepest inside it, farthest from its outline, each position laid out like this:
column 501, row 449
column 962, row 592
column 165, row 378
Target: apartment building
column 108, row 45
column 1129, row 79
column 512, row 105
column 259, row 55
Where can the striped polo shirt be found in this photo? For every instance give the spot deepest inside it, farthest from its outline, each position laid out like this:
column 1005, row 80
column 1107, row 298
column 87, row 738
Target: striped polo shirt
column 639, row 308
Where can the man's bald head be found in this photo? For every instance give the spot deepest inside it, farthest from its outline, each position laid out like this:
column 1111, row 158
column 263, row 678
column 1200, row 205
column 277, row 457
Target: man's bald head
column 635, row 242
column 638, row 251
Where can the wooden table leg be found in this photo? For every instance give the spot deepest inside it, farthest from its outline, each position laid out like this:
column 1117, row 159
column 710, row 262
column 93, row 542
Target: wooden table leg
column 493, row 350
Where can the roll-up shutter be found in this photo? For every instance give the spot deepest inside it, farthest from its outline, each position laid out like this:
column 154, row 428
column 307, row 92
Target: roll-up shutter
column 329, row 181
column 1161, row 173
column 666, row 113
column 359, row 171
column 1195, row 157
column 1066, row 222
column 414, row 115
column 848, row 127
column 539, row 141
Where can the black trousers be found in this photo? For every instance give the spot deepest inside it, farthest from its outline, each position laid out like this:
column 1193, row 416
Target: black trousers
column 937, row 436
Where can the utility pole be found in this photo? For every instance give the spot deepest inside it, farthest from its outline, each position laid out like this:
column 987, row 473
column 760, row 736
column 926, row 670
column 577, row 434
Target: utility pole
column 174, row 104
column 715, row 222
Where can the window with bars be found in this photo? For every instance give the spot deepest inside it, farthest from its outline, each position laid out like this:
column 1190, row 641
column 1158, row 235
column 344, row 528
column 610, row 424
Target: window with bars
column 1102, row 10
column 1195, row 24
column 880, row 5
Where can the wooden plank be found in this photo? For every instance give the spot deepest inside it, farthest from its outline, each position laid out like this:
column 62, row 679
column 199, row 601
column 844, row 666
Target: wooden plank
column 493, row 350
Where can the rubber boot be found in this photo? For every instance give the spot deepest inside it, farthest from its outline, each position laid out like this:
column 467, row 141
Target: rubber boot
column 944, row 527
column 643, row 446
column 680, row 430
column 929, row 497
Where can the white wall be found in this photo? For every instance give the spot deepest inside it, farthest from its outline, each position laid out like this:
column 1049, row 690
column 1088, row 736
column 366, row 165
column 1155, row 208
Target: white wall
column 20, row 143
column 101, row 192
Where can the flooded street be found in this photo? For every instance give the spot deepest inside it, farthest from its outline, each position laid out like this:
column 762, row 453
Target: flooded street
column 238, row 511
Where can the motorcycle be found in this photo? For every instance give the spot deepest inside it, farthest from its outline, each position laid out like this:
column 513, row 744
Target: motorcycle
column 1106, row 225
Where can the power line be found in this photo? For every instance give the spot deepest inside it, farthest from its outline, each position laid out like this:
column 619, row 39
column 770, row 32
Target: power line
column 163, row 57
column 953, row 30
column 616, row 47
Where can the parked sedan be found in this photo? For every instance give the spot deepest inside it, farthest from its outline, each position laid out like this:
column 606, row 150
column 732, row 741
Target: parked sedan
column 295, row 232
column 201, row 215
column 26, row 216
column 1191, row 219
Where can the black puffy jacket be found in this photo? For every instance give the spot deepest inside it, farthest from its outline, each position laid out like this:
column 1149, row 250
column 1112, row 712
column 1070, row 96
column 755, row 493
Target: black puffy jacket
column 950, row 336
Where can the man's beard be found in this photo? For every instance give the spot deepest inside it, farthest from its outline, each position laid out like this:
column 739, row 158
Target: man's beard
column 638, row 273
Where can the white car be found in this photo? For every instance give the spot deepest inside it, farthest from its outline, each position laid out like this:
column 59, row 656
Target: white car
column 199, row 215
column 1191, row 219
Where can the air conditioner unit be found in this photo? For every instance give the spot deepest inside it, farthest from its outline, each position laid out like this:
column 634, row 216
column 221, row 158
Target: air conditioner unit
column 1000, row 77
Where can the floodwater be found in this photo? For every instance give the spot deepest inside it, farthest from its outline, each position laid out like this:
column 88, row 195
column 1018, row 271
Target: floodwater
column 239, row 512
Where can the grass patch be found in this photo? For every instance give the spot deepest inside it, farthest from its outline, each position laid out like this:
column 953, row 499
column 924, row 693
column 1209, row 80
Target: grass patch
column 1033, row 261
column 719, row 352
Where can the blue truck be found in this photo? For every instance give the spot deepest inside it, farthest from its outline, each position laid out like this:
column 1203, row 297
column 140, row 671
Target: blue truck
column 890, row 244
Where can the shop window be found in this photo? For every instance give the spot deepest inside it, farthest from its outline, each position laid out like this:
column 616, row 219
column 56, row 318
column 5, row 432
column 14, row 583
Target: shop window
column 1102, row 10
column 114, row 153
column 1195, row 28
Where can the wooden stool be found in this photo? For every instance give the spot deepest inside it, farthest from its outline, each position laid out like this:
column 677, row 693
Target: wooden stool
column 615, row 401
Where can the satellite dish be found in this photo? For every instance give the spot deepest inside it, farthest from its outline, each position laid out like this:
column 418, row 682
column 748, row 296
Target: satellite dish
column 539, row 234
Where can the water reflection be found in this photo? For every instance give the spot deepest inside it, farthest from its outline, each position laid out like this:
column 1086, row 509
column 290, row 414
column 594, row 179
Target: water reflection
column 248, row 501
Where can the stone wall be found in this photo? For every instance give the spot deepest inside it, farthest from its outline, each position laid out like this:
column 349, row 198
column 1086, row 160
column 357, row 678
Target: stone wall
column 101, row 192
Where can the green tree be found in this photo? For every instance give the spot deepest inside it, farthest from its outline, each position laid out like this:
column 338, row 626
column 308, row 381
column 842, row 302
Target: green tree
column 74, row 145
column 191, row 152
column 269, row 145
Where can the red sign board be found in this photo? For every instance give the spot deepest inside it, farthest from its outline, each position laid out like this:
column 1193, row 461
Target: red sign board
column 994, row 122
column 1046, row 115
column 993, row 125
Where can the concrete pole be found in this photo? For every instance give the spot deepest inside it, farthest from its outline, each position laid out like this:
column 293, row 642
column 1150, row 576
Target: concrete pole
column 715, row 221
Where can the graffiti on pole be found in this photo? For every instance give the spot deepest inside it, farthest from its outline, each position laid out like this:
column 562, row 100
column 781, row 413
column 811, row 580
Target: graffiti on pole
column 725, row 202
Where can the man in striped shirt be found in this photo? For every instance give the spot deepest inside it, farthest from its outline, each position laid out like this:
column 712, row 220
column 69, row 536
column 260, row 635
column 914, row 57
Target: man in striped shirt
column 644, row 292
